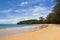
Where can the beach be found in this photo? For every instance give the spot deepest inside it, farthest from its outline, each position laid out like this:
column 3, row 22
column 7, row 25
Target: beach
column 51, row 32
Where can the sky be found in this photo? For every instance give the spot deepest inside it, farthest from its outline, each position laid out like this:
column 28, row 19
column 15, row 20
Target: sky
column 13, row 11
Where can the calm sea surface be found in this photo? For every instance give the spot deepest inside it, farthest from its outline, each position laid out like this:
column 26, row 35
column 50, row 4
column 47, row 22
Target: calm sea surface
column 12, row 29
column 3, row 26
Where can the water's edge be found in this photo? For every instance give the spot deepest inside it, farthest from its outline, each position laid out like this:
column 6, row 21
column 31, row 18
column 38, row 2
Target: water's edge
column 18, row 30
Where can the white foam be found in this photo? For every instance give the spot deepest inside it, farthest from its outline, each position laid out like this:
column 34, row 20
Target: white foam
column 18, row 30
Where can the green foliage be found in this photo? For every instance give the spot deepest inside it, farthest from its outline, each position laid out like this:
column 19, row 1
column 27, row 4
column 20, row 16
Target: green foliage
column 51, row 18
column 57, row 8
column 29, row 22
column 55, row 16
column 33, row 21
column 41, row 20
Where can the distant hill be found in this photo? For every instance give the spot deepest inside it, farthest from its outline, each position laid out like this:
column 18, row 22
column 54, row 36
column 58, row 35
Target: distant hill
column 33, row 21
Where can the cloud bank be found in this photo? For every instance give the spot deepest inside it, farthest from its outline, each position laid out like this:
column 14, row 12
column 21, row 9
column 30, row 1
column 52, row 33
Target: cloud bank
column 34, row 10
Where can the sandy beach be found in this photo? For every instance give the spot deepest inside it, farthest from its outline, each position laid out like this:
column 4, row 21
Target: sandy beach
column 52, row 32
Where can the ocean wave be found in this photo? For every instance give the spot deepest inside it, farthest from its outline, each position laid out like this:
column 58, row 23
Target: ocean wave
column 18, row 30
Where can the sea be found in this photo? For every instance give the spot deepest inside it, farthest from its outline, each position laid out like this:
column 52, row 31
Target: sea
column 12, row 29
column 3, row 26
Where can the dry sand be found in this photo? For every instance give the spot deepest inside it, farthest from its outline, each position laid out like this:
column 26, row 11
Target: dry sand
column 52, row 32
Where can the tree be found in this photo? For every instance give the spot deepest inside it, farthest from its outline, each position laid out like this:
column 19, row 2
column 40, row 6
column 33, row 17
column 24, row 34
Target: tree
column 32, row 21
column 51, row 18
column 56, row 11
column 54, row 17
column 41, row 20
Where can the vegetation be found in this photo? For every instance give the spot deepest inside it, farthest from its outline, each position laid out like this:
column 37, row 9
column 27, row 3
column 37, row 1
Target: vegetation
column 29, row 22
column 32, row 21
column 52, row 18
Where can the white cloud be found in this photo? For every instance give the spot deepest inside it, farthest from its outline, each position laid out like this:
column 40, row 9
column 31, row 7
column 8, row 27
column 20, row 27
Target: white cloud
column 23, row 3
column 35, row 12
column 18, row 11
column 5, row 11
column 35, row 1
column 41, row 0
column 41, row 4
column 31, row 13
column 52, row 0
column 7, row 21
column 40, row 11
column 11, row 20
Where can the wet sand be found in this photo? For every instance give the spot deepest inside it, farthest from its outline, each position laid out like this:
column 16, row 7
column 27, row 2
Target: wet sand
column 52, row 32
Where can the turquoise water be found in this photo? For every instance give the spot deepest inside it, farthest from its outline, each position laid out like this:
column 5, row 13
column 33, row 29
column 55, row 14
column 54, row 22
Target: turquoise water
column 12, row 29
column 3, row 26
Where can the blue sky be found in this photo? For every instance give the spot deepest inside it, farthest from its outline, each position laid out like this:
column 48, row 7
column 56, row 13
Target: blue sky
column 13, row 11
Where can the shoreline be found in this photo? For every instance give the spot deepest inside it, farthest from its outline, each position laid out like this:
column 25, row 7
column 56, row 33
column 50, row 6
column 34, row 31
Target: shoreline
column 19, row 30
column 46, row 32
column 52, row 32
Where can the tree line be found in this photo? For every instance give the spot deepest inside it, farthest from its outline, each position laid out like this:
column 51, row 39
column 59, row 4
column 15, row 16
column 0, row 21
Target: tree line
column 54, row 16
